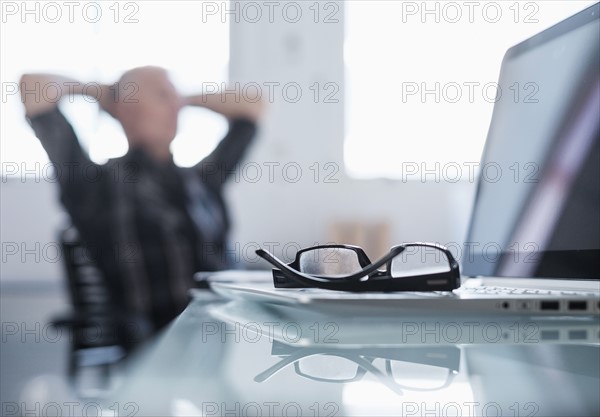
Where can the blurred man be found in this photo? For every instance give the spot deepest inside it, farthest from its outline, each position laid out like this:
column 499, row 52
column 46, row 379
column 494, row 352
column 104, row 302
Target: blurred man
column 148, row 223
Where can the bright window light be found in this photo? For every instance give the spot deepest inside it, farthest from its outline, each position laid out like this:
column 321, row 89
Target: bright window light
column 99, row 48
column 418, row 78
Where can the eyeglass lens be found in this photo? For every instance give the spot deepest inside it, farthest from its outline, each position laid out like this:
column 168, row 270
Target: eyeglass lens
column 419, row 260
column 329, row 262
column 334, row 368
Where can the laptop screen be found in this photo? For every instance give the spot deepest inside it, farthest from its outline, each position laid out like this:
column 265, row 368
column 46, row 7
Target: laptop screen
column 537, row 206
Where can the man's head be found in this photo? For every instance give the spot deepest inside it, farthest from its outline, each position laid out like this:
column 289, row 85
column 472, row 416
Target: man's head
column 147, row 106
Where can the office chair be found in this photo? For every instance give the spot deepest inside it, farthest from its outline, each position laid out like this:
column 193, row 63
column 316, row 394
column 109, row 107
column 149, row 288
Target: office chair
column 100, row 336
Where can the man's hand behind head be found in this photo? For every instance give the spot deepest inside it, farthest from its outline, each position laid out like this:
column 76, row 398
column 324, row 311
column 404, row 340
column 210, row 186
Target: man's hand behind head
column 108, row 99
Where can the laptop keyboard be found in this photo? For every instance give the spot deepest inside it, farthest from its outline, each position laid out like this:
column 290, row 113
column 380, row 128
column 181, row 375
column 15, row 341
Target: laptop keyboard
column 490, row 290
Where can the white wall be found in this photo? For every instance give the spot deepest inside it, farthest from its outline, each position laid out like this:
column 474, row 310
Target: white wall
column 305, row 133
column 278, row 212
column 30, row 218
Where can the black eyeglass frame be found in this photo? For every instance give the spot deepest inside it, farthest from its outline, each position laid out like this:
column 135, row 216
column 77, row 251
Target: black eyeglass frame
column 369, row 278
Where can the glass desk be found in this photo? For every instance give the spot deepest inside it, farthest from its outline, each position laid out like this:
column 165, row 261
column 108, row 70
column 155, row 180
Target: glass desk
column 245, row 359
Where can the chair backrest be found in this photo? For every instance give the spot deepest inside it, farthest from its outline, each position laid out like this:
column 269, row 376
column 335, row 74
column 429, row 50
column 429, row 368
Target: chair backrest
column 97, row 321
column 94, row 321
column 88, row 288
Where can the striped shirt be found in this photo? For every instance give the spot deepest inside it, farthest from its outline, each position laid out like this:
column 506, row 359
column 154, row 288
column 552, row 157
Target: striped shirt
column 149, row 226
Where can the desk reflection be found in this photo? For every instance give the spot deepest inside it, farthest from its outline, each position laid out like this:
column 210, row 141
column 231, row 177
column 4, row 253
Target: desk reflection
column 415, row 369
column 239, row 358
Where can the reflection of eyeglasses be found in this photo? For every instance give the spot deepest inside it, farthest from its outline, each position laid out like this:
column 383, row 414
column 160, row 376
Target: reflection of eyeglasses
column 409, row 267
column 413, row 369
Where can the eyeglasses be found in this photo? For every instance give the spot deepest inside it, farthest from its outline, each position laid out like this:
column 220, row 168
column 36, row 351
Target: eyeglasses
column 408, row 267
column 407, row 368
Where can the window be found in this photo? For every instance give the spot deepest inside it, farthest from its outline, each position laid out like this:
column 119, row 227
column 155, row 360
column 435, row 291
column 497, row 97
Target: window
column 97, row 42
column 421, row 78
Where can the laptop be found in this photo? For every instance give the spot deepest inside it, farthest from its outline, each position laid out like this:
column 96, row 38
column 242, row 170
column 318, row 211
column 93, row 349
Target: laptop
column 533, row 244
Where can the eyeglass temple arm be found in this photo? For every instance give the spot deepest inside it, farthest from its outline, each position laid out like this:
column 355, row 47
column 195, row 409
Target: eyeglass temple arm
column 299, row 276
